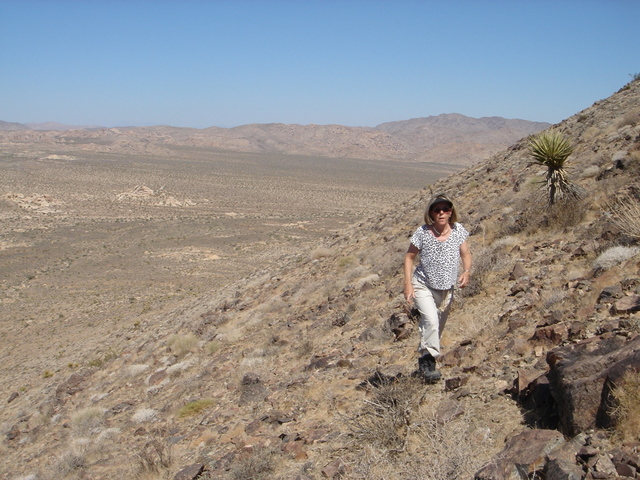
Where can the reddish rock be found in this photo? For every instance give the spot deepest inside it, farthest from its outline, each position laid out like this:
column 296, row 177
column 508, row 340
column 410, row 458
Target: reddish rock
column 72, row 385
column 523, row 456
column 295, row 449
column 628, row 304
column 335, row 469
column 551, row 335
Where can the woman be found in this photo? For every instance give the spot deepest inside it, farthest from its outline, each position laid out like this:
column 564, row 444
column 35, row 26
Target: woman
column 440, row 244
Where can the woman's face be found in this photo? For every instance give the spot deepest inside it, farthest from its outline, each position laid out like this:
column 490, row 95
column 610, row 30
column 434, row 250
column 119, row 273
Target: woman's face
column 440, row 212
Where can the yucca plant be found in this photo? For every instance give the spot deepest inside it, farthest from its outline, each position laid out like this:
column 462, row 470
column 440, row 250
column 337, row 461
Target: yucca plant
column 551, row 149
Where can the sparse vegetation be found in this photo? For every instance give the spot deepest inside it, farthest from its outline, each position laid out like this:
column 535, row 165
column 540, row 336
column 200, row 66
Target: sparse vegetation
column 289, row 334
column 86, row 419
column 256, row 465
column 196, row 407
column 625, row 210
column 385, row 420
column 631, row 118
column 614, row 256
column 180, row 345
column 399, row 437
column 154, row 457
column 626, row 407
column 100, row 361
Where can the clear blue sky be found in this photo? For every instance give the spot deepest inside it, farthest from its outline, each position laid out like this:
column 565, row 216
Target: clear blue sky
column 225, row 63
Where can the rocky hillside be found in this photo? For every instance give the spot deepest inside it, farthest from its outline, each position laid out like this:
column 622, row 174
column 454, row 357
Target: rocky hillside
column 453, row 139
column 305, row 371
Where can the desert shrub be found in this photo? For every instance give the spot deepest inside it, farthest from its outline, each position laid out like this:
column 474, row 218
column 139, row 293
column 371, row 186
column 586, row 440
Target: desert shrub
column 69, row 463
column 449, row 449
column 304, row 348
column 630, row 118
column 213, row 346
column 567, row 215
column 347, row 261
column 154, row 457
column 384, row 421
column 529, row 218
column 259, row 465
column 614, row 256
column 144, row 415
column 441, row 449
column 195, row 407
column 625, row 210
column 104, row 358
column 626, row 409
column 553, row 297
column 85, row 420
column 320, row 252
column 485, row 261
column 182, row 344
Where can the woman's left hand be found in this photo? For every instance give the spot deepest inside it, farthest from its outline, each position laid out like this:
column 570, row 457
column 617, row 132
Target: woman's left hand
column 463, row 281
column 465, row 254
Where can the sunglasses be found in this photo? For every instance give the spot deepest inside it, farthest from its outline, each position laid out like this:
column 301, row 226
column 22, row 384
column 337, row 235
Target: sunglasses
column 441, row 209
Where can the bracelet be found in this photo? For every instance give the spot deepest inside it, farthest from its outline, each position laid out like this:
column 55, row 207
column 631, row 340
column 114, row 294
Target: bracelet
column 466, row 271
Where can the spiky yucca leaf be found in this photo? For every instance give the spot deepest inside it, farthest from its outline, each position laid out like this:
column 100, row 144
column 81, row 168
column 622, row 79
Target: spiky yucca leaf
column 550, row 149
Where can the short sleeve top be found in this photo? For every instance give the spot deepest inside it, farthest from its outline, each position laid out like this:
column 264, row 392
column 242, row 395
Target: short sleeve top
column 438, row 267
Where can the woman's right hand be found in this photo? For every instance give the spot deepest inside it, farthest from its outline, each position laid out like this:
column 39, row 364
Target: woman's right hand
column 409, row 257
column 409, row 293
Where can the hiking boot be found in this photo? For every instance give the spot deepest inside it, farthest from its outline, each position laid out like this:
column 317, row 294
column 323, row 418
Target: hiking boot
column 427, row 368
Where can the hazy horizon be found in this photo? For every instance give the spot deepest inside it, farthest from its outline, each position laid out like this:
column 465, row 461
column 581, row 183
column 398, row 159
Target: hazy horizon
column 201, row 64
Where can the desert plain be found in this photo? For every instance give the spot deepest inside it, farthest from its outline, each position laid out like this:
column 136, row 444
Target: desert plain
column 90, row 241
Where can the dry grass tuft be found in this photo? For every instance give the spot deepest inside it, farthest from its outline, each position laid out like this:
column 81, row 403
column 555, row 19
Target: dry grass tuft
column 320, row 252
column 449, row 449
column 85, row 420
column 614, row 256
column 154, row 457
column 195, row 407
column 182, row 344
column 385, row 419
column 626, row 411
column 259, row 465
column 630, row 118
column 436, row 450
column 625, row 210
column 487, row 260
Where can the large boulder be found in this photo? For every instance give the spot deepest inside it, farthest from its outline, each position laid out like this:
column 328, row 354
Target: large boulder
column 582, row 375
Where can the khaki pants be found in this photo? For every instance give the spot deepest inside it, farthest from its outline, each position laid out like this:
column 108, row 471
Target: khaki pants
column 434, row 306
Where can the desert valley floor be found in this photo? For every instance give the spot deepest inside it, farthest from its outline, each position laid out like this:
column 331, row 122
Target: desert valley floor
column 91, row 242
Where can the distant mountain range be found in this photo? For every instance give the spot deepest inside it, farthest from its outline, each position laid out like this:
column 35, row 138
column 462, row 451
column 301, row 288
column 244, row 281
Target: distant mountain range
column 447, row 138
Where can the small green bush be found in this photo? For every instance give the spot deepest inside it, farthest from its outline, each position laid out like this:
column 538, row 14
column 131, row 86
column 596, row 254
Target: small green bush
column 195, row 407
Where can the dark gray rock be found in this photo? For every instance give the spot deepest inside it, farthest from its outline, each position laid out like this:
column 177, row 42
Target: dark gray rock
column 581, row 377
column 192, row 472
